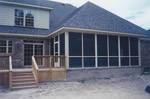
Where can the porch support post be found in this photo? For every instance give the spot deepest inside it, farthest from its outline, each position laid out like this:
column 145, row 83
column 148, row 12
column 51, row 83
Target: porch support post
column 67, row 49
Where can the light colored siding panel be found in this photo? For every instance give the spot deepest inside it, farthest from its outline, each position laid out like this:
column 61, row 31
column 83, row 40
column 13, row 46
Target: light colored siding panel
column 6, row 15
column 41, row 17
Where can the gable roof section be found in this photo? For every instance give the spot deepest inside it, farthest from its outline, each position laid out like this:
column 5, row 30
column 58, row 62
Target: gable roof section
column 59, row 12
column 91, row 16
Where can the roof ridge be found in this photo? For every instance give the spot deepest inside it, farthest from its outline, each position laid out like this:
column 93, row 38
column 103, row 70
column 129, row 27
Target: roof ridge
column 76, row 12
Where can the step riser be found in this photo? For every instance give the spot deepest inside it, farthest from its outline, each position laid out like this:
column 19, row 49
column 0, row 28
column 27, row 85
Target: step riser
column 22, row 80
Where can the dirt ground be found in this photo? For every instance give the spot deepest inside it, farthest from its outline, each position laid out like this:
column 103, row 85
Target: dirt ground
column 128, row 87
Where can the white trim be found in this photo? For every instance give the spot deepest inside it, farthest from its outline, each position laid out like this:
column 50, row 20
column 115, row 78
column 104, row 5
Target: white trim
column 98, row 31
column 67, row 49
column 27, row 5
column 96, row 63
column 82, row 51
column 108, row 50
column 119, row 59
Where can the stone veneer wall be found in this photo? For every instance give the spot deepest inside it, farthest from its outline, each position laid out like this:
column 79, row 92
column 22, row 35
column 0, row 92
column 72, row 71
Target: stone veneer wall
column 145, row 53
column 18, row 49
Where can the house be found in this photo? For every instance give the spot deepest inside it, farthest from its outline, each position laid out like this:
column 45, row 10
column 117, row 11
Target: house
column 60, row 41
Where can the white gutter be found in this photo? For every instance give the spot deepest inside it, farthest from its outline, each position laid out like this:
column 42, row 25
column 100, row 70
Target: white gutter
column 27, row 5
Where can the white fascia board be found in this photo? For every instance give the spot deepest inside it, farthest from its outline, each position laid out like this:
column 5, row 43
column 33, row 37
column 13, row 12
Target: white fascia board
column 96, row 31
column 27, row 5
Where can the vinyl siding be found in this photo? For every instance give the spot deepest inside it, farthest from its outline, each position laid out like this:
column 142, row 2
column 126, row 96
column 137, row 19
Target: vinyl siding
column 41, row 16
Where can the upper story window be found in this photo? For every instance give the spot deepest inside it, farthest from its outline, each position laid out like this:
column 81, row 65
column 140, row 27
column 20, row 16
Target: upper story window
column 24, row 18
column 29, row 19
column 19, row 17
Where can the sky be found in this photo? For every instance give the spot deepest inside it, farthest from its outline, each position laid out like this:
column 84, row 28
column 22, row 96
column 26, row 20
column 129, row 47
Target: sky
column 135, row 11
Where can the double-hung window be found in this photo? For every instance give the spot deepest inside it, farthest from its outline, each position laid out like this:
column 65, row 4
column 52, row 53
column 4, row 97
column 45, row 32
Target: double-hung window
column 5, row 46
column 19, row 17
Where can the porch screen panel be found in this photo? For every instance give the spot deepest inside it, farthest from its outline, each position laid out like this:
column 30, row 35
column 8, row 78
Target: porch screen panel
column 75, row 44
column 89, row 61
column 75, row 62
column 89, row 50
column 113, row 51
column 134, row 51
column 102, row 51
column 89, row 44
column 124, row 51
column 102, row 45
column 134, row 46
column 52, row 46
column 62, row 44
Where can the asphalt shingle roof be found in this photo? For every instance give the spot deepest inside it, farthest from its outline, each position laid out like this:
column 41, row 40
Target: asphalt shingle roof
column 91, row 16
column 88, row 16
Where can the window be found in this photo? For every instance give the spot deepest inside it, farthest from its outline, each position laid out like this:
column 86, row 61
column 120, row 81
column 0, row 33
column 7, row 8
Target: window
column 5, row 46
column 19, row 17
column 29, row 19
column 24, row 18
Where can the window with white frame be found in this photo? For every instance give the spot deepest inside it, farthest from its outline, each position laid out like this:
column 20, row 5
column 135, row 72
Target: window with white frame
column 5, row 46
column 19, row 17
column 29, row 18
column 110, row 50
column 24, row 18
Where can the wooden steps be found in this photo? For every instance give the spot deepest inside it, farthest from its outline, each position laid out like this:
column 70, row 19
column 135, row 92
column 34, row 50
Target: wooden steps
column 24, row 79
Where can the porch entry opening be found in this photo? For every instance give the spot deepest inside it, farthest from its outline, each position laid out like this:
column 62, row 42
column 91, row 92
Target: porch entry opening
column 31, row 49
column 56, row 52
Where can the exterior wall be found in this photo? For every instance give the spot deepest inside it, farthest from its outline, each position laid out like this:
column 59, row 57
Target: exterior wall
column 85, row 74
column 41, row 17
column 145, row 53
column 18, row 49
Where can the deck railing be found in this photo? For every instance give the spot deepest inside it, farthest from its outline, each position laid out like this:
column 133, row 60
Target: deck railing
column 35, row 71
column 47, row 62
column 51, row 62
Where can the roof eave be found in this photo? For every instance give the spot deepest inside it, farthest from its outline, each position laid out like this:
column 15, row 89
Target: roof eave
column 27, row 5
column 22, row 35
column 69, row 29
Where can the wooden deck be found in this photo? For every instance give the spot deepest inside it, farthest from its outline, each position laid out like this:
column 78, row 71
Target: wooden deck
column 43, row 69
